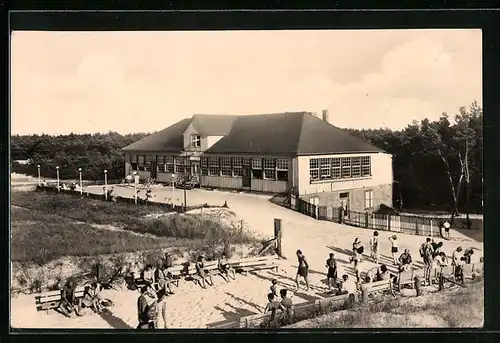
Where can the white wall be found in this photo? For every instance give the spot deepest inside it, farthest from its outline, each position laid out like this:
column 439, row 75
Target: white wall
column 206, row 141
column 381, row 169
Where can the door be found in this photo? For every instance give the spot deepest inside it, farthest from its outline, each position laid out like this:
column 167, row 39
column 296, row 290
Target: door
column 344, row 201
column 247, row 173
column 195, row 172
column 153, row 170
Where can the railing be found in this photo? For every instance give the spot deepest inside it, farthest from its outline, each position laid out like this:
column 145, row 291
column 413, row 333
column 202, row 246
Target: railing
column 414, row 225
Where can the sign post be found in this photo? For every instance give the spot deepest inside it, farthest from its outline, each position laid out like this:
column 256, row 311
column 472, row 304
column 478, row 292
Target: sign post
column 136, row 181
column 81, row 185
column 39, row 183
column 57, row 171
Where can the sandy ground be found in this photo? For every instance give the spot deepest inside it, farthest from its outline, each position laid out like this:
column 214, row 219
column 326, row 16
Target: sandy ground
column 193, row 307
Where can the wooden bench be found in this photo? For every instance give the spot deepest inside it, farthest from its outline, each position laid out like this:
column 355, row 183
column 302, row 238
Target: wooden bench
column 262, row 263
column 213, row 269
column 378, row 286
column 224, row 325
column 51, row 300
column 405, row 278
column 448, row 275
column 336, row 301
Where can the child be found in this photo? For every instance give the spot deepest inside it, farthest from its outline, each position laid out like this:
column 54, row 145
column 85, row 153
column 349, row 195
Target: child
column 374, row 247
column 224, row 266
column 394, row 249
column 331, row 275
column 200, row 269
column 302, row 270
column 273, row 305
column 357, row 249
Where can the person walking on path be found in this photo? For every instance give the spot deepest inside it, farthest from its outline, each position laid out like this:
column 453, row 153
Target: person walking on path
column 302, row 270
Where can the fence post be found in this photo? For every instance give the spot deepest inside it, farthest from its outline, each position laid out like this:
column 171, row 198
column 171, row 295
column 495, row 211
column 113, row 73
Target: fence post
column 431, row 227
column 278, row 235
column 316, row 211
column 388, row 222
column 366, row 219
column 341, row 215
column 416, row 226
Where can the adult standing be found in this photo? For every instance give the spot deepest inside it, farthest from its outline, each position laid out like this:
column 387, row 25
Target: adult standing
column 426, row 252
column 147, row 308
column 302, row 270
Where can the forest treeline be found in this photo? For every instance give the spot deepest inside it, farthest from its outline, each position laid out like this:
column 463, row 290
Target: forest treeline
column 435, row 163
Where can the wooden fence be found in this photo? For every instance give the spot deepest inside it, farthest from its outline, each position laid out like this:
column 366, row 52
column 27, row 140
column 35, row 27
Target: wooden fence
column 413, row 225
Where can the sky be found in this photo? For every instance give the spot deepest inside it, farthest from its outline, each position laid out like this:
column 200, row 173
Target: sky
column 127, row 82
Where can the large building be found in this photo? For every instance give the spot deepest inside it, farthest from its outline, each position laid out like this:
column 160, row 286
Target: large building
column 276, row 153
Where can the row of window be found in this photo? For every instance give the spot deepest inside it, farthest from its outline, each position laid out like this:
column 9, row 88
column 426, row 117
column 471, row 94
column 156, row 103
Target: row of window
column 258, row 168
column 339, row 167
column 344, row 200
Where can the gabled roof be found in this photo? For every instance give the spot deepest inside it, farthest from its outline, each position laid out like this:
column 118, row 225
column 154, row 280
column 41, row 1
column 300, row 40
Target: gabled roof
column 297, row 133
column 170, row 139
column 291, row 133
column 213, row 124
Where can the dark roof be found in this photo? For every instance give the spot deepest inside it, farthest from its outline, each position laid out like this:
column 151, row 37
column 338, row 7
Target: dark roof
column 291, row 133
column 213, row 124
column 170, row 139
column 297, row 133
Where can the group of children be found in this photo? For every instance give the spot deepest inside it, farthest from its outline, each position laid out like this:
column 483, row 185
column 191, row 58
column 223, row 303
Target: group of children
column 431, row 253
column 154, row 287
column 285, row 304
column 70, row 304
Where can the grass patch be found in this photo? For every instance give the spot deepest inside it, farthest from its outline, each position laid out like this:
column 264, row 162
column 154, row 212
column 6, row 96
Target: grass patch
column 40, row 238
column 48, row 226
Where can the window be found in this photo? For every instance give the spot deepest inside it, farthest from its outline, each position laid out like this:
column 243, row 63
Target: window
column 133, row 158
column 160, row 163
column 134, row 166
column 314, row 169
column 225, row 164
column 257, row 168
column 147, row 162
column 140, row 161
column 127, row 158
column 336, row 168
column 237, row 166
column 368, row 199
column 356, row 166
column 213, row 166
column 204, row 165
column 195, row 141
column 269, row 165
column 282, row 164
column 169, row 164
column 324, row 168
column 346, row 167
column 179, row 164
column 282, row 169
column 365, row 166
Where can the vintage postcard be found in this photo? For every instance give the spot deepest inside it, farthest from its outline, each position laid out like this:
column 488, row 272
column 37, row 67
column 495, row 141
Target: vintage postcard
column 246, row 179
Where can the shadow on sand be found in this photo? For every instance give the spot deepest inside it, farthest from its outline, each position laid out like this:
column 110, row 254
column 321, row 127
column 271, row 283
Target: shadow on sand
column 114, row 321
column 231, row 316
column 246, row 302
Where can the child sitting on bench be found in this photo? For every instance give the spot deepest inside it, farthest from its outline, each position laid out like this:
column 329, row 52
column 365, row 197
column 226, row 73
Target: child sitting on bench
column 224, row 266
column 200, row 269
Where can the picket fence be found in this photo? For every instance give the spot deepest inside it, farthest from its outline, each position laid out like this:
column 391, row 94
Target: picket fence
column 414, row 225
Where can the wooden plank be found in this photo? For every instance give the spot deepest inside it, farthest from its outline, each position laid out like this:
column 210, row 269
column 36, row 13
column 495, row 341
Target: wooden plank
column 223, row 325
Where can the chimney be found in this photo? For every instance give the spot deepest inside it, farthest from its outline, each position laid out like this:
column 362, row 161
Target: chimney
column 325, row 115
